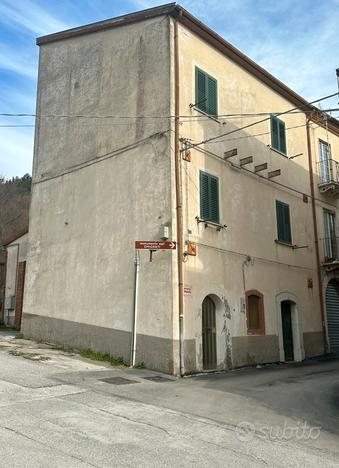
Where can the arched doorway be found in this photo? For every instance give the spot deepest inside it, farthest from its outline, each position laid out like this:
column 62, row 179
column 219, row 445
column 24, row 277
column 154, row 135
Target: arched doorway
column 209, row 338
column 288, row 323
column 332, row 312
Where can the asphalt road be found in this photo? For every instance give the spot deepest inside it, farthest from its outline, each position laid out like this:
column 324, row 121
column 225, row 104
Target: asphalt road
column 60, row 410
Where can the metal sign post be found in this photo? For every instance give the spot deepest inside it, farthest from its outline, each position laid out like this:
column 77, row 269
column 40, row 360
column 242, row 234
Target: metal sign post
column 152, row 246
column 135, row 308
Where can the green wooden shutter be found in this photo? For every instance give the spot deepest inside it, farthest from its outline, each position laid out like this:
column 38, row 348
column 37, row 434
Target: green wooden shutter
column 282, row 137
column 274, row 132
column 209, row 197
column 212, row 96
column 283, row 222
column 204, row 196
column 214, row 199
column 278, row 134
column 200, row 90
column 287, row 224
column 206, row 98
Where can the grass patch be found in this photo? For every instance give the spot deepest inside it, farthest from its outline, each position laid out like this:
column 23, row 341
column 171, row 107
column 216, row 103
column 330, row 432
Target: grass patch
column 64, row 349
column 94, row 356
column 139, row 365
column 20, row 336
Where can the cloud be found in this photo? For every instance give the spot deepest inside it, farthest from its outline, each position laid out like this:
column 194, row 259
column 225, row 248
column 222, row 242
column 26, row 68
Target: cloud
column 16, row 151
column 294, row 41
column 18, row 61
column 30, row 16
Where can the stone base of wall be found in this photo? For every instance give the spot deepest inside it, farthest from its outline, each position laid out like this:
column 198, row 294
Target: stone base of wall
column 249, row 350
column 156, row 353
column 313, row 343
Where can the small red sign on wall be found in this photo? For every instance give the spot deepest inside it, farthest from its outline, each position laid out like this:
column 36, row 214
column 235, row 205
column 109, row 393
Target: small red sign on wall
column 155, row 245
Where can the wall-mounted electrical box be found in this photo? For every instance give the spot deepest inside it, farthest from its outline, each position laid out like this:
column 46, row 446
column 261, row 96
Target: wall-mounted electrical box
column 10, row 303
column 191, row 249
column 164, row 232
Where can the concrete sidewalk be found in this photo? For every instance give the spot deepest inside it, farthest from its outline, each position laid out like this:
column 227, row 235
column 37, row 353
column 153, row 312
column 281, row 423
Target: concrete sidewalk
column 63, row 410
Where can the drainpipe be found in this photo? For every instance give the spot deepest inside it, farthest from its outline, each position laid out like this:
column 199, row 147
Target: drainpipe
column 316, row 238
column 2, row 312
column 135, row 308
column 179, row 210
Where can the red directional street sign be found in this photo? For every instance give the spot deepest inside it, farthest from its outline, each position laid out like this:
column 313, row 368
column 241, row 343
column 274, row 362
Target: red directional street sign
column 155, row 245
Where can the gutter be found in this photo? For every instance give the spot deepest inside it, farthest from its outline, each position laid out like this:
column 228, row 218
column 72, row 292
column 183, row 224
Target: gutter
column 2, row 311
column 316, row 239
column 179, row 208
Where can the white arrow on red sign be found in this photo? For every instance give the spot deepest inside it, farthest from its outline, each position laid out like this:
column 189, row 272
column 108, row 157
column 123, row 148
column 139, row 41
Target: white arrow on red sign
column 155, row 245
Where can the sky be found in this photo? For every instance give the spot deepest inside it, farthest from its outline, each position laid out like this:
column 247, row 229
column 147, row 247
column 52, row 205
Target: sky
column 295, row 40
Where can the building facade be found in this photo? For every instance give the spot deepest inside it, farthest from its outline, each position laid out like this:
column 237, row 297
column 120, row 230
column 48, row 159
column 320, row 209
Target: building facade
column 150, row 127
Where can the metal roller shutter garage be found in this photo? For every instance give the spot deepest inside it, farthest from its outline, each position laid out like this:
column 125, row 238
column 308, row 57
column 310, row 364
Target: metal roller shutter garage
column 332, row 310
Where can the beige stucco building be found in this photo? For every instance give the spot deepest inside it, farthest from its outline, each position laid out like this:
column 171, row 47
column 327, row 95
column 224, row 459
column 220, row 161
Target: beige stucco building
column 151, row 126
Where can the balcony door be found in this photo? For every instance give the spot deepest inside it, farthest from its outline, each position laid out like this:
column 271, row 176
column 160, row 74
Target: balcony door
column 330, row 241
column 325, row 170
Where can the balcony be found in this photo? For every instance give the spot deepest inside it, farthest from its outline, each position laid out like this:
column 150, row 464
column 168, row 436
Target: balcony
column 330, row 252
column 328, row 173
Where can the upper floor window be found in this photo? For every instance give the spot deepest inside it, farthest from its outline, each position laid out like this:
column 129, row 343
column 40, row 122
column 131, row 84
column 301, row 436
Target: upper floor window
column 255, row 313
column 283, row 222
column 325, row 163
column 278, row 135
column 330, row 239
column 206, row 98
column 209, row 197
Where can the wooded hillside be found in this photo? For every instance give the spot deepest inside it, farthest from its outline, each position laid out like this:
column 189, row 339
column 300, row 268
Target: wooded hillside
column 15, row 195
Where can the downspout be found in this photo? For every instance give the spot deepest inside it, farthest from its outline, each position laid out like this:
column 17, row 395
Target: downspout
column 2, row 318
column 316, row 239
column 179, row 209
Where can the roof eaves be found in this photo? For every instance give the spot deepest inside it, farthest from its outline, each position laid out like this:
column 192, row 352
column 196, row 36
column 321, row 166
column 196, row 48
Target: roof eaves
column 16, row 236
column 169, row 8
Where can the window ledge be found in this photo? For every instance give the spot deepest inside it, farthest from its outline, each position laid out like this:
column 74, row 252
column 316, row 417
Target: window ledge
column 277, row 151
column 286, row 244
column 207, row 115
column 208, row 223
column 255, row 333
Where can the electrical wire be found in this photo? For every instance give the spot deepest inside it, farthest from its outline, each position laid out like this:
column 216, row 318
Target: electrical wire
column 242, row 168
column 100, row 158
column 232, row 251
column 128, row 123
column 208, row 140
column 257, row 134
column 295, row 110
column 220, row 249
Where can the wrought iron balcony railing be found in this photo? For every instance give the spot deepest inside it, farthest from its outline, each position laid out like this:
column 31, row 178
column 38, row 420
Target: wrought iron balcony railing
column 330, row 249
column 328, row 172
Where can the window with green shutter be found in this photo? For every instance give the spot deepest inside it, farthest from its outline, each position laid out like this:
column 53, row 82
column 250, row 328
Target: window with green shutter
column 278, row 134
column 283, row 222
column 206, row 98
column 209, row 197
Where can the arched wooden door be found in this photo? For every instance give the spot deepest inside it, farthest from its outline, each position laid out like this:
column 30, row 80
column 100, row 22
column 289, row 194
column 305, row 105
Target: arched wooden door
column 209, row 339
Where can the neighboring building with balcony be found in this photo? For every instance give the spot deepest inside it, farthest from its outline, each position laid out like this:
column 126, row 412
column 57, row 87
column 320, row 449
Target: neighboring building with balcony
column 328, row 169
column 235, row 168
